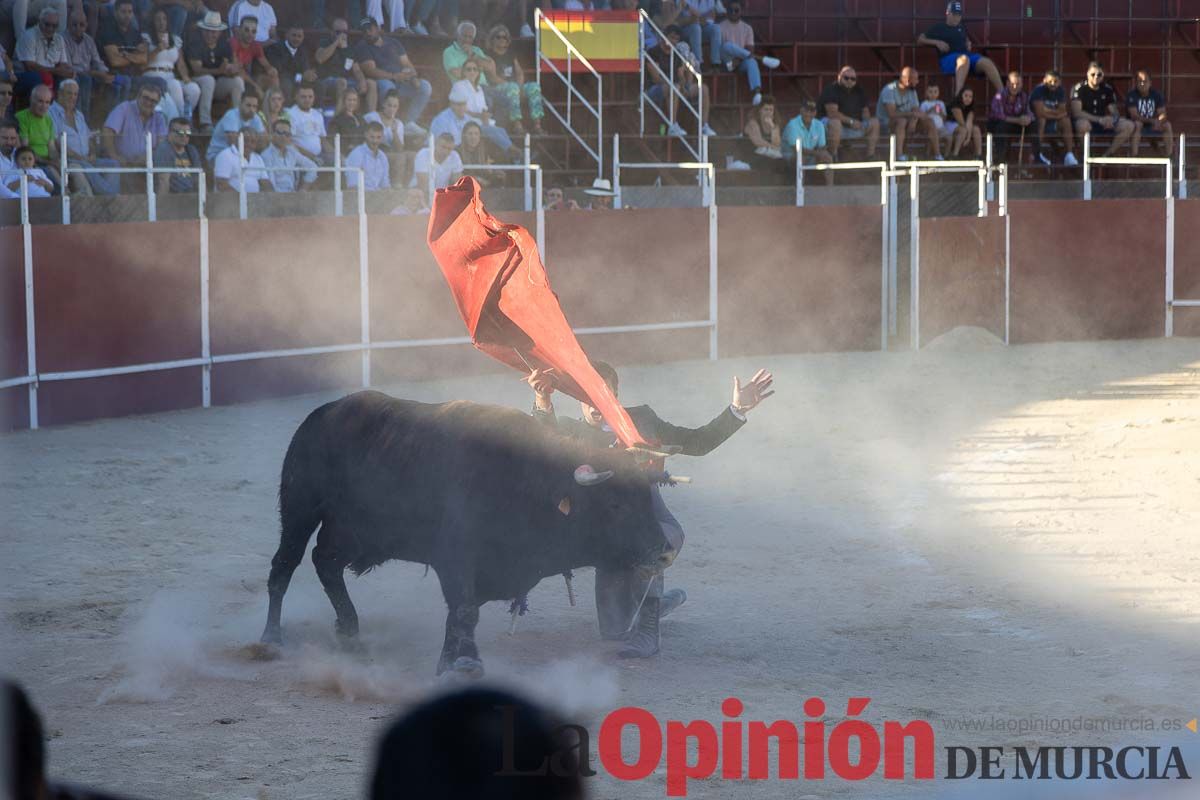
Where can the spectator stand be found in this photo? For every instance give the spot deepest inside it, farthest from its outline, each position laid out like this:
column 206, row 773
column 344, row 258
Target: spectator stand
column 596, row 112
column 887, row 175
column 707, row 178
column 699, row 151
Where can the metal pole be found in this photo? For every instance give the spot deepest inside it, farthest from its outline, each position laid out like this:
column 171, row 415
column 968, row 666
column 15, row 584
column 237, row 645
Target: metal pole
column 30, row 326
column 1007, row 253
column 885, row 213
column 151, row 200
column 914, row 260
column 988, row 163
column 617, row 170
column 641, row 73
column 337, row 175
column 66, row 181
column 799, row 173
column 1170, row 265
column 713, row 283
column 525, row 175
column 1183, row 193
column 540, row 216
column 893, row 240
column 364, row 279
column 431, row 187
column 243, row 206
column 892, row 151
column 600, row 126
column 205, row 331
column 1087, row 166
column 984, row 181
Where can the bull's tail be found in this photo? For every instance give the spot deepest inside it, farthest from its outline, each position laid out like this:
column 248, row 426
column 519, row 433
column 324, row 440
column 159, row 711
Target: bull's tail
column 300, row 510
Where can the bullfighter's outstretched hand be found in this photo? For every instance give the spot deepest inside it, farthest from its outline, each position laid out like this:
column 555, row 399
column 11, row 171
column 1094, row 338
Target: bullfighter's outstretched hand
column 749, row 396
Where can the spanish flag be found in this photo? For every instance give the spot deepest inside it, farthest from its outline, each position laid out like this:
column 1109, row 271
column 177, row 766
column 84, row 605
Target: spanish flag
column 607, row 39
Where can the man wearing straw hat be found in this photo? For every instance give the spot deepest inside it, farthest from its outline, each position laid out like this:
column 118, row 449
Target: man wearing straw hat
column 602, row 195
column 210, row 59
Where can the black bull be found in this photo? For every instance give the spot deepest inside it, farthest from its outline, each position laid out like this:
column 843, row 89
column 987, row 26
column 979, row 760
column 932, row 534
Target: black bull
column 484, row 495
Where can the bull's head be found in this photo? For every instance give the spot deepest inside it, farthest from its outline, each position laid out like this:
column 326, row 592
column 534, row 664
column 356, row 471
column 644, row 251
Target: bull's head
column 616, row 509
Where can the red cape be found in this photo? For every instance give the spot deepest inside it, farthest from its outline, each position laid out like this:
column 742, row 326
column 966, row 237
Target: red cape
column 503, row 294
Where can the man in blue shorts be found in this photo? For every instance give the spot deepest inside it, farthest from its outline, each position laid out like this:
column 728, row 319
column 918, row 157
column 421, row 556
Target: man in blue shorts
column 953, row 44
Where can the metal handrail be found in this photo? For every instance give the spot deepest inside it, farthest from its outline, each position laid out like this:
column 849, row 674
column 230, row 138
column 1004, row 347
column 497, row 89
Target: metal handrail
column 596, row 111
column 644, row 97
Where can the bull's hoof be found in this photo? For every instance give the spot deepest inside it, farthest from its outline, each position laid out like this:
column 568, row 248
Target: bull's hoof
column 464, row 668
column 272, row 635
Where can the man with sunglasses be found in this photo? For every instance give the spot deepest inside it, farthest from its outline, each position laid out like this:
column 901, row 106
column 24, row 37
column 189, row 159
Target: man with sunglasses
column 177, row 151
column 846, row 112
column 287, row 158
column 41, row 55
column 1148, row 110
column 1094, row 104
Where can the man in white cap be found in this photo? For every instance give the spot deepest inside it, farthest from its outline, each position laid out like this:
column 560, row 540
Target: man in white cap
column 213, row 68
column 955, row 57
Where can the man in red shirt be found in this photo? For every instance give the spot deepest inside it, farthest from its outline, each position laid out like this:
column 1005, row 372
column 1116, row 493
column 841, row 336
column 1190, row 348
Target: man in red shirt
column 248, row 53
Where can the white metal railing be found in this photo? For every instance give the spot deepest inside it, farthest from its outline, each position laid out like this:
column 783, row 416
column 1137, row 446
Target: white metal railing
column 886, row 263
column 915, row 169
column 708, row 185
column 206, row 360
column 596, row 111
column 644, row 99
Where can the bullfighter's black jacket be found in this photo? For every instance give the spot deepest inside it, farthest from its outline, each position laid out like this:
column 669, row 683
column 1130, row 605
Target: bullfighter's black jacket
column 694, row 441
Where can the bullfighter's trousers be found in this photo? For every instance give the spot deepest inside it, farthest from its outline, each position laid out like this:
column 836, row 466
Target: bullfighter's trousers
column 619, row 592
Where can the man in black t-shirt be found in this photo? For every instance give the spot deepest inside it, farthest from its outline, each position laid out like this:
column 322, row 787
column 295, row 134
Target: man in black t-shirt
column 953, row 43
column 1148, row 111
column 338, row 69
column 1094, row 105
column 1048, row 102
column 119, row 41
column 844, row 107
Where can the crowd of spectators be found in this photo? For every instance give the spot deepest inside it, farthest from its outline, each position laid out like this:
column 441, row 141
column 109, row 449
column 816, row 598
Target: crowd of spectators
column 205, row 76
column 1050, row 118
column 108, row 74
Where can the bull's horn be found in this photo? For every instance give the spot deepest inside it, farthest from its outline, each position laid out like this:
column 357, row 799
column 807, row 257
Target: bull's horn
column 586, row 476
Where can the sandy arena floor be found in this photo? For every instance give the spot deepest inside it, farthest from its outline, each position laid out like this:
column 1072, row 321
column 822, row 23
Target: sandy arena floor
column 957, row 535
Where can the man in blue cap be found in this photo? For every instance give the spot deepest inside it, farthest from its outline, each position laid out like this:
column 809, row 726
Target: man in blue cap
column 953, row 44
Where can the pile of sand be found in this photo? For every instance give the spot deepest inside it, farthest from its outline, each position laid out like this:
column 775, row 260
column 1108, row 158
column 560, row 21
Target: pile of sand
column 965, row 339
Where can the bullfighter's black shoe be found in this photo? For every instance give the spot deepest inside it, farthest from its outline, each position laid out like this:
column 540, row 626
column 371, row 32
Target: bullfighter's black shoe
column 645, row 639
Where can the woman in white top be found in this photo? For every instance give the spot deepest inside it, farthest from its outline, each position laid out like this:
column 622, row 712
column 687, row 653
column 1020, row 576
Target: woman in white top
column 477, row 108
column 388, row 116
column 165, row 63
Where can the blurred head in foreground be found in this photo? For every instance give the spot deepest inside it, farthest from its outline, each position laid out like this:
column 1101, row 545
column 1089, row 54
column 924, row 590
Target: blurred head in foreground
column 481, row 744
